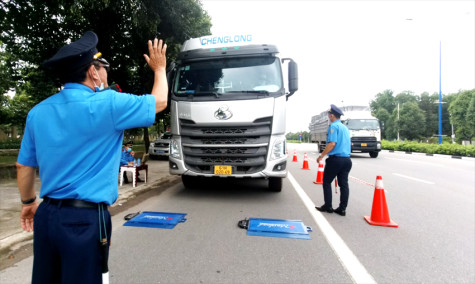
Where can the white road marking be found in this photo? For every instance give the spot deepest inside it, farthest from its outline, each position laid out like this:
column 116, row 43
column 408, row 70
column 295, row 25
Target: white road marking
column 416, row 162
column 353, row 266
column 412, row 178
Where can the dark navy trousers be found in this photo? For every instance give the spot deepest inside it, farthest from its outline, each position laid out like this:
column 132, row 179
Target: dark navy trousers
column 66, row 244
column 336, row 167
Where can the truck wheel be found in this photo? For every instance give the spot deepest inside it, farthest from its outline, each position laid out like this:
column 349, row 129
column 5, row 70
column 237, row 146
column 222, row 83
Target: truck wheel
column 275, row 184
column 373, row 154
column 187, row 181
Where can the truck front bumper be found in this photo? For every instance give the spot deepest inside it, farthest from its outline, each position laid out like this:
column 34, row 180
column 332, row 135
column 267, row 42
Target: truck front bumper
column 275, row 168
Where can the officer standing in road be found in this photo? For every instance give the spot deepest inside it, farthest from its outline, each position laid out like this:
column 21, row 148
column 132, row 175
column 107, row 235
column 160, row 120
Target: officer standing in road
column 75, row 138
column 338, row 164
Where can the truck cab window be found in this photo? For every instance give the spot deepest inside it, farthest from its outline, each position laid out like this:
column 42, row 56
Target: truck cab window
column 229, row 77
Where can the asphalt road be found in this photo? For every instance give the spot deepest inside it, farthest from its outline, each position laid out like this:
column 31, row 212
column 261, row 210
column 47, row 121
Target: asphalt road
column 430, row 198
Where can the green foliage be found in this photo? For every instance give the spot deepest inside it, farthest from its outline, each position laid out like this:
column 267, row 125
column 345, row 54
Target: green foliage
column 10, row 144
column 444, row 148
column 34, row 30
column 8, row 160
column 461, row 110
column 411, row 121
column 295, row 136
column 383, row 100
column 418, row 116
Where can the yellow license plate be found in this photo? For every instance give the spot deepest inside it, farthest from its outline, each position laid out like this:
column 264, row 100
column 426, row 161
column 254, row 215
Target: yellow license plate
column 223, row 170
column 364, row 145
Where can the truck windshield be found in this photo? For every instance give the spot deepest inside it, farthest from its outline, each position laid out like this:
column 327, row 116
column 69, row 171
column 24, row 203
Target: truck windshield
column 229, row 77
column 362, row 124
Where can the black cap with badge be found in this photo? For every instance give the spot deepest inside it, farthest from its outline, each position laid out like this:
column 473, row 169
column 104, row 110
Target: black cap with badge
column 335, row 110
column 76, row 55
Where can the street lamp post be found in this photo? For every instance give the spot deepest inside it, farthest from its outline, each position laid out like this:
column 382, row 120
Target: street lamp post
column 440, row 92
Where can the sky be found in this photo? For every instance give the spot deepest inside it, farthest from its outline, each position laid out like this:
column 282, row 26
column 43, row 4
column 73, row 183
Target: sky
column 349, row 51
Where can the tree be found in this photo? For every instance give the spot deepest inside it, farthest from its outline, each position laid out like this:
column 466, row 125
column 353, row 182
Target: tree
column 33, row 30
column 383, row 100
column 428, row 105
column 6, row 83
column 405, row 97
column 461, row 115
column 411, row 121
column 20, row 104
column 383, row 116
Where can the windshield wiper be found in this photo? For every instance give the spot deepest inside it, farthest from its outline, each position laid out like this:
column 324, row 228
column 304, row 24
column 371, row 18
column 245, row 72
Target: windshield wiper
column 251, row 92
column 209, row 93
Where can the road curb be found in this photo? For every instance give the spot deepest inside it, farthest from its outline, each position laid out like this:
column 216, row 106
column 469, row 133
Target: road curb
column 430, row 154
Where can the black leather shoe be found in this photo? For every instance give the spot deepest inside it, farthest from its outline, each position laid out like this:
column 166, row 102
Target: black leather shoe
column 324, row 209
column 339, row 211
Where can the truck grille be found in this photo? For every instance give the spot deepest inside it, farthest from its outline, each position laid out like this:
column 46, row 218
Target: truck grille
column 364, row 144
column 363, row 139
column 243, row 147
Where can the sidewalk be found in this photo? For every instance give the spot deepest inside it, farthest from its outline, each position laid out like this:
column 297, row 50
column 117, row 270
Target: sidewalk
column 13, row 237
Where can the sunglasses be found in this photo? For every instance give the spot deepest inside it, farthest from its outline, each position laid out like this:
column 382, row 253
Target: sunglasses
column 101, row 62
column 106, row 66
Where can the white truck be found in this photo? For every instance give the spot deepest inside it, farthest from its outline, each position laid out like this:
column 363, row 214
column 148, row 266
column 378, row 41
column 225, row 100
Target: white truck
column 228, row 109
column 365, row 130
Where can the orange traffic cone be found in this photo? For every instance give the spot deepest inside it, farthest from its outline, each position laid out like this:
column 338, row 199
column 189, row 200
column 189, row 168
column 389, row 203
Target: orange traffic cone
column 295, row 156
column 319, row 174
column 305, row 162
column 379, row 213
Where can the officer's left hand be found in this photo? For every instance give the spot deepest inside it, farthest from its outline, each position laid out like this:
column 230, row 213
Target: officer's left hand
column 27, row 215
column 156, row 58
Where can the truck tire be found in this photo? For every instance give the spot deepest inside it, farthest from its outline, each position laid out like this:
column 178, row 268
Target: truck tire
column 275, row 184
column 187, row 181
column 373, row 154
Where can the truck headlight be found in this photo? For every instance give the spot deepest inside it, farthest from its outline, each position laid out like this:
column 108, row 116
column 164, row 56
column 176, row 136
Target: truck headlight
column 278, row 150
column 175, row 149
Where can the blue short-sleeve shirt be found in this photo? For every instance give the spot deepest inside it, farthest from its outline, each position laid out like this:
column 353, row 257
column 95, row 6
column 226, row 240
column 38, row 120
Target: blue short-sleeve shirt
column 75, row 138
column 126, row 158
column 339, row 133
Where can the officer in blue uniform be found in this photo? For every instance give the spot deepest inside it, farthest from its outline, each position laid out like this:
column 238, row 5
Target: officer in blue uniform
column 74, row 137
column 338, row 164
column 127, row 156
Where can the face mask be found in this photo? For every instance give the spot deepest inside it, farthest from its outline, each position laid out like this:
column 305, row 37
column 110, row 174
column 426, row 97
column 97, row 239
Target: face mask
column 96, row 88
column 129, row 150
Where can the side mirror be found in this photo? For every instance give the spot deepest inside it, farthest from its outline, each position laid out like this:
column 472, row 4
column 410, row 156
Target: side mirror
column 170, row 74
column 170, row 70
column 293, row 76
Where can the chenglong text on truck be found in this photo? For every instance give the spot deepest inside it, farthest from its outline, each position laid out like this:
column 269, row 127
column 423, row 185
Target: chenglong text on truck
column 228, row 105
column 365, row 131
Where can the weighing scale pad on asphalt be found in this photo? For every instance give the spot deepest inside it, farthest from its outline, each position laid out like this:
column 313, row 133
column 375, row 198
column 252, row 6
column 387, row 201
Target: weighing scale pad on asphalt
column 292, row 229
column 161, row 220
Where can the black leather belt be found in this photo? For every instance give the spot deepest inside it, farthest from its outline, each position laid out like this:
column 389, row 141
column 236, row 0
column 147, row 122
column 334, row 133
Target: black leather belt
column 71, row 203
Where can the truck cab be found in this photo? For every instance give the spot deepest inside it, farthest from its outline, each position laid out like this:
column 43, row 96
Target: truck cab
column 228, row 105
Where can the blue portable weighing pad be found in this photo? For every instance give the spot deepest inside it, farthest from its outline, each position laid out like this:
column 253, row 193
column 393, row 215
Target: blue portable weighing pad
column 161, row 220
column 292, row 229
